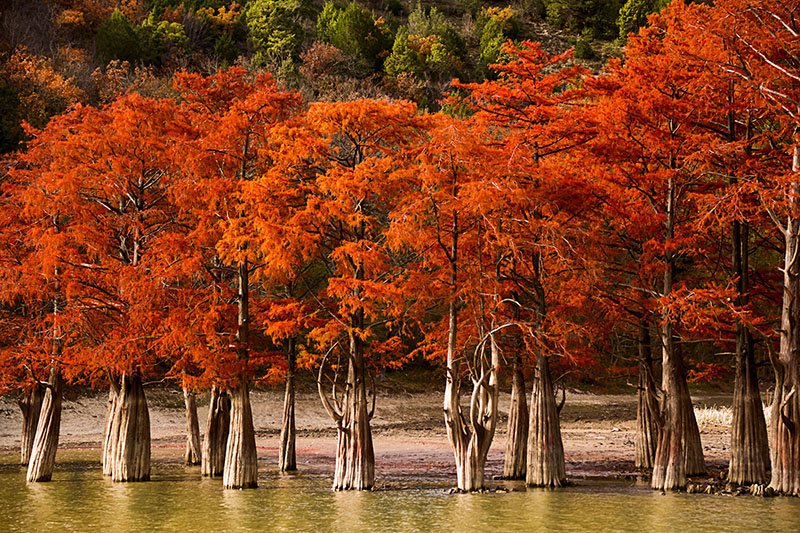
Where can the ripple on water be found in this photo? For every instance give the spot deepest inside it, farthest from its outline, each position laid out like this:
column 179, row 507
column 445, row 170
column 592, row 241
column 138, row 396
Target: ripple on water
column 178, row 499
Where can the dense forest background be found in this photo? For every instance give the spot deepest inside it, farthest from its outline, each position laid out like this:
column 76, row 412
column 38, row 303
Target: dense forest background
column 54, row 53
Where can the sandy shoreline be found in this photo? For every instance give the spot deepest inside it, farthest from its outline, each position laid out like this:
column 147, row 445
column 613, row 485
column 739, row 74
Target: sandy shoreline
column 409, row 438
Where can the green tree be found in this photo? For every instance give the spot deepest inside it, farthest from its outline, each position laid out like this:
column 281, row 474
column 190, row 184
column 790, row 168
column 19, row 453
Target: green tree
column 117, row 39
column 633, row 15
column 595, row 17
column 403, row 57
column 275, row 28
column 354, row 31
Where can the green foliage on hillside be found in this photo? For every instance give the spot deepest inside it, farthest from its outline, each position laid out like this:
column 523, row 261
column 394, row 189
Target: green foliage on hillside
column 355, row 31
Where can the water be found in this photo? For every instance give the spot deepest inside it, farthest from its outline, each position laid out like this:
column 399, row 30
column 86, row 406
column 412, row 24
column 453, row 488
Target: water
column 178, row 499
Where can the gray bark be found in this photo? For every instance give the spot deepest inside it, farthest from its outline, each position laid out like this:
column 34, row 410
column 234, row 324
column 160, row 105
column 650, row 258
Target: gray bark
column 286, row 452
column 193, row 453
column 785, row 410
column 130, row 432
column 30, row 405
column 216, row 436
column 45, row 443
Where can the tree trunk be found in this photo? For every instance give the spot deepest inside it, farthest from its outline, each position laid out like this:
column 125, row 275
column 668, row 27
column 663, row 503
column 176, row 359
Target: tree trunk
column 694, row 462
column 546, row 467
column 216, row 437
column 679, row 452
column 30, row 405
column 130, row 432
column 515, row 465
column 749, row 444
column 193, row 454
column 355, row 458
column 646, row 402
column 113, row 394
column 241, row 461
column 785, row 420
column 45, row 443
column 286, row 452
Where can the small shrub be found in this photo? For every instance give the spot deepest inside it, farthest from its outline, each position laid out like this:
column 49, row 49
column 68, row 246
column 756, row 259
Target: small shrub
column 584, row 50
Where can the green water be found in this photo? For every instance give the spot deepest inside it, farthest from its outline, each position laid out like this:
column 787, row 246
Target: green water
column 178, row 499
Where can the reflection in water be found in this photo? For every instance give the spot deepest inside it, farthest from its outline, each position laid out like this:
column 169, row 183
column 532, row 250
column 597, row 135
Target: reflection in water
column 79, row 498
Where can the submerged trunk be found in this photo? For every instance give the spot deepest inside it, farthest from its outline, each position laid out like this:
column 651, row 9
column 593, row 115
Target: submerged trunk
column 669, row 467
column 679, row 452
column 30, row 406
column 216, row 437
column 130, row 432
column 515, row 465
column 241, row 461
column 286, row 453
column 355, row 458
column 45, row 443
column 113, row 394
column 785, row 420
column 749, row 444
column 546, row 466
column 646, row 403
column 192, row 456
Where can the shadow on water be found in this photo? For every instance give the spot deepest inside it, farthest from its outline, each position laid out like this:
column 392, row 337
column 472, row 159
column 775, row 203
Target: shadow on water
column 178, row 499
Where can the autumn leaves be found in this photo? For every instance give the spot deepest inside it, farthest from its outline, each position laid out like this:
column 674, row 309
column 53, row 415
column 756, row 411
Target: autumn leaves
column 227, row 235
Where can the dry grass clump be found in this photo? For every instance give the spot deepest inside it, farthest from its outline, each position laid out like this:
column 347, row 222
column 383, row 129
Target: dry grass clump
column 714, row 415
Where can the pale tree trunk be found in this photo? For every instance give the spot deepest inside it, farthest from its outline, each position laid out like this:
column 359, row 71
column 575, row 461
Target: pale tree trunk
column 669, row 467
column 470, row 436
column 216, row 437
column 679, row 452
column 30, row 405
column 546, row 466
column 45, row 443
column 785, row 419
column 355, row 457
column 192, row 455
column 241, row 461
column 646, row 438
column 130, row 432
column 286, row 452
column 515, row 465
column 113, row 394
column 749, row 445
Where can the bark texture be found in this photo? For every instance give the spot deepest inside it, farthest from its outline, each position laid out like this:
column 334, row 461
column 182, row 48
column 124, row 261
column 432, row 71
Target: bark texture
column 193, row 454
column 546, row 467
column 646, row 439
column 241, row 462
column 130, row 432
column 355, row 457
column 749, row 445
column 30, row 405
column 287, row 460
column 45, row 443
column 113, row 394
column 785, row 409
column 679, row 452
column 216, row 437
column 515, row 464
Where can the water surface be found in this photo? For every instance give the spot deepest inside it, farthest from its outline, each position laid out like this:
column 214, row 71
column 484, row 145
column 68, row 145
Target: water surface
column 179, row 499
